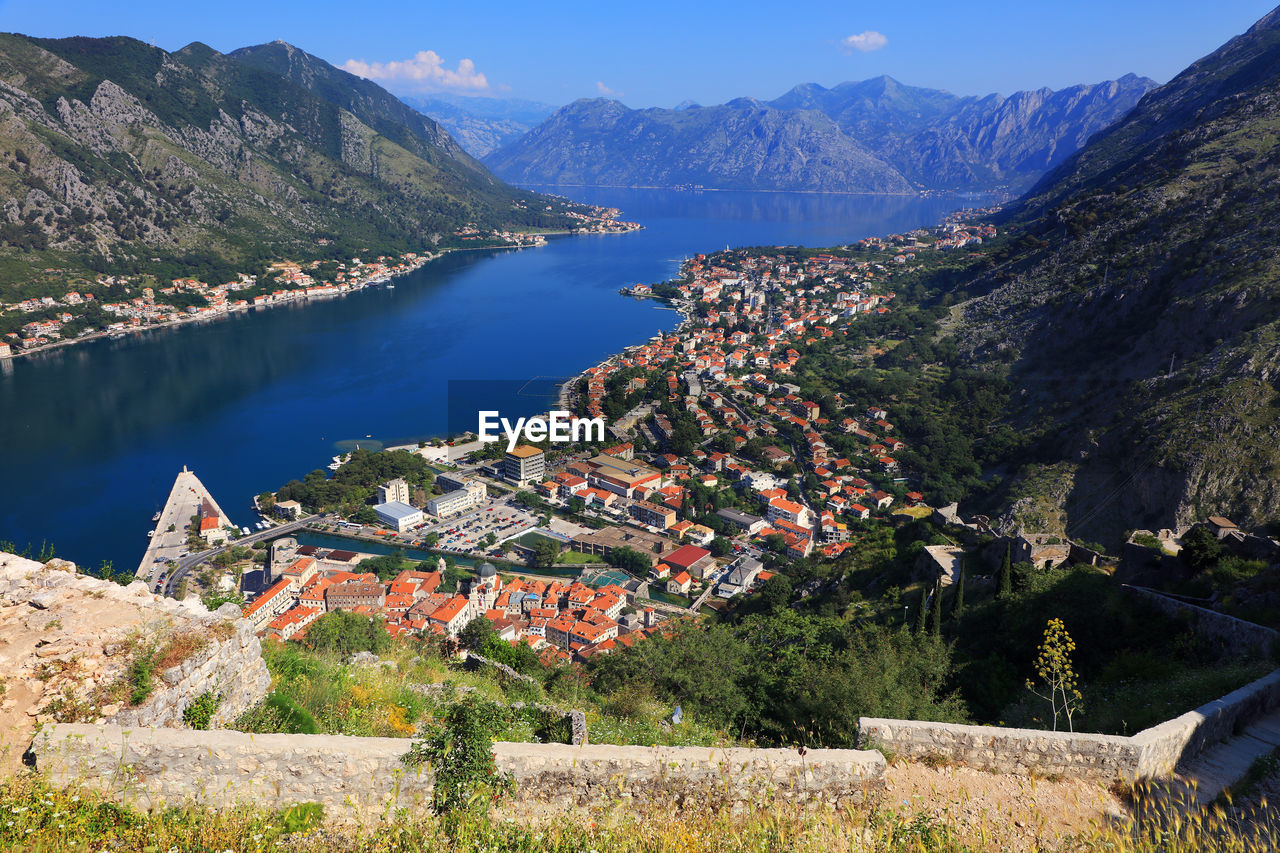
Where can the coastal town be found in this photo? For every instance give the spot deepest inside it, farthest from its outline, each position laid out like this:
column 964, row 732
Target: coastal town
column 116, row 305
column 720, row 474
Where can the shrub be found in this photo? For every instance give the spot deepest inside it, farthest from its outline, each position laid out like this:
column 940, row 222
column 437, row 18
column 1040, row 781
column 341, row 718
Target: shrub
column 201, row 710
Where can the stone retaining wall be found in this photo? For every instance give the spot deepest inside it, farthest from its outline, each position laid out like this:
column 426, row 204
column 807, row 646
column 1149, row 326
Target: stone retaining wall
column 1236, row 635
column 356, row 777
column 231, row 667
column 1001, row 750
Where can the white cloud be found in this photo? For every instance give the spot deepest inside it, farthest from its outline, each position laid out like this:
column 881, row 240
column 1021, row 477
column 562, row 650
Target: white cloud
column 864, row 42
column 424, row 72
column 606, row 91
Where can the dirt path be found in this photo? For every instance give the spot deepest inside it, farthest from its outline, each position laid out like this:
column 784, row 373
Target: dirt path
column 993, row 811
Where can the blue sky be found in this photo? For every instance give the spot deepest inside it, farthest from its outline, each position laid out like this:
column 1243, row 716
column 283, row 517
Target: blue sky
column 658, row 53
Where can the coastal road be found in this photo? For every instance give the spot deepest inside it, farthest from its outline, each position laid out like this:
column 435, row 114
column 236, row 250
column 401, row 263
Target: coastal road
column 185, row 564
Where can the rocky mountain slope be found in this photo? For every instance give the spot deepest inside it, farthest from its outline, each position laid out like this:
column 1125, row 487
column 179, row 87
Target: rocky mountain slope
column 1138, row 306
column 481, row 125
column 895, row 138
column 740, row 145
column 114, row 153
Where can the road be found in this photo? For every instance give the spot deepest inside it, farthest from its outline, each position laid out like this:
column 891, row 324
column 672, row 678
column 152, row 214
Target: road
column 185, row 564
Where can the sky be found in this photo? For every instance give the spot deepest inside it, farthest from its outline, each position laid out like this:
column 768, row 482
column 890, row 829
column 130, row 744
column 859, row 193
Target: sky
column 660, row 53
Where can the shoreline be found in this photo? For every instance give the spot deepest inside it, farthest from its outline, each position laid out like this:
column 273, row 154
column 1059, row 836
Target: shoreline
column 174, row 324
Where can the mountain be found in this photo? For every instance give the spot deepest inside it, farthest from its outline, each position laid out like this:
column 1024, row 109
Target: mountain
column 120, row 157
column 930, row 138
column 479, row 124
column 743, row 144
column 1137, row 308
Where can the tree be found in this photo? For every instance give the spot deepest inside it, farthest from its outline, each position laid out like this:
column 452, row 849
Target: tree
column 545, row 552
column 386, row 567
column 1201, row 550
column 1060, row 685
column 935, row 614
column 344, row 633
column 1006, row 573
column 267, row 501
column 365, row 515
column 957, row 606
column 476, row 634
column 720, row 547
column 630, row 560
column 923, row 612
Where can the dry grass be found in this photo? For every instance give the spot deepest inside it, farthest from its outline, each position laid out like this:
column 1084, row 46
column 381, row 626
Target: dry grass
column 37, row 817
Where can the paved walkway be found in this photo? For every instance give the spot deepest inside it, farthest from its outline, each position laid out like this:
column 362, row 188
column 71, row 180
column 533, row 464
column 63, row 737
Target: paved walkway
column 1221, row 766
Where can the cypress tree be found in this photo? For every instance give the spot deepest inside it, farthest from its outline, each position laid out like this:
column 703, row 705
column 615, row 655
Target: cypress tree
column 923, row 613
column 936, row 616
column 1006, row 573
column 958, row 607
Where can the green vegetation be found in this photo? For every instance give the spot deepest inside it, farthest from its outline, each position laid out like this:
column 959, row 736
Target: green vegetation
column 459, row 749
column 201, row 710
column 356, row 482
column 344, row 633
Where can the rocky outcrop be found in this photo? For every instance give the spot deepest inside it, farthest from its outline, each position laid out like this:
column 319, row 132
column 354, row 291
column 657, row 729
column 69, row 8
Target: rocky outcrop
column 70, row 647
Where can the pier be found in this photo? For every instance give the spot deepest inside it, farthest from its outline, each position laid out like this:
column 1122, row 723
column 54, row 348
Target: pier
column 184, row 501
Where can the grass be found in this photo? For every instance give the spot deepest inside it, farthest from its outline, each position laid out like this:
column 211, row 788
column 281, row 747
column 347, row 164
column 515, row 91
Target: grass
column 37, row 817
column 322, row 694
column 577, row 557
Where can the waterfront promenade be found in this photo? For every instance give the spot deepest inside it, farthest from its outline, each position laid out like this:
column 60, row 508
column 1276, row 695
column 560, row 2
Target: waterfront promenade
column 184, row 501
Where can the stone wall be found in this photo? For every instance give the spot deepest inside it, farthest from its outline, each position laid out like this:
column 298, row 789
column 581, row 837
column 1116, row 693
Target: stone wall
column 229, row 665
column 1001, row 750
column 1151, row 753
column 358, row 776
column 1164, row 745
column 1236, row 635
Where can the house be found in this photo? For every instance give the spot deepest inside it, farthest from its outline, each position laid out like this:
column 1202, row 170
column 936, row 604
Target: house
column 740, row 577
column 679, row 585
column 690, row 558
column 781, row 508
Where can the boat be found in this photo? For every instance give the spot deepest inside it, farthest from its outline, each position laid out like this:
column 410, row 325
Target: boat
column 150, row 533
column 155, row 517
column 391, row 287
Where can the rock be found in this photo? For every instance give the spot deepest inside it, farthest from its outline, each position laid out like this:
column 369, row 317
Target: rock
column 138, row 589
column 8, row 704
column 110, row 710
column 228, row 611
column 44, row 600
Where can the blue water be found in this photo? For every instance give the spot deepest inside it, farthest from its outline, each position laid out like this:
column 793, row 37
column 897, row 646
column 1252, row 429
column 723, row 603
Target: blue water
column 91, row 436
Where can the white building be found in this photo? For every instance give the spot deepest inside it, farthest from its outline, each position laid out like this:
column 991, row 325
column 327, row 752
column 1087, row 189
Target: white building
column 398, row 515
column 459, row 500
column 395, row 490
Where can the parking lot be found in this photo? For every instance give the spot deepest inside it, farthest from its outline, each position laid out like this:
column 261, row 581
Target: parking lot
column 504, row 519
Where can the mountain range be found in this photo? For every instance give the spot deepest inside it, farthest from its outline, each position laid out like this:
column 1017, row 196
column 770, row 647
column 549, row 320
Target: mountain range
column 118, row 156
column 1138, row 310
column 877, row 135
column 481, row 125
